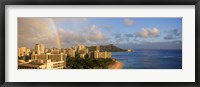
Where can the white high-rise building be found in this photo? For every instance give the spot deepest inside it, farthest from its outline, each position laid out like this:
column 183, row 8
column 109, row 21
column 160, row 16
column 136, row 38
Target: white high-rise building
column 39, row 48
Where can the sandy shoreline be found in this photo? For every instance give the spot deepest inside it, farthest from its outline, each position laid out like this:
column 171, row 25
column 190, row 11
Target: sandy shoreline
column 116, row 65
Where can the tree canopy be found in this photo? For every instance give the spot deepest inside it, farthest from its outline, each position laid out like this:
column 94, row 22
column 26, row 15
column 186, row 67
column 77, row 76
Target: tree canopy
column 88, row 63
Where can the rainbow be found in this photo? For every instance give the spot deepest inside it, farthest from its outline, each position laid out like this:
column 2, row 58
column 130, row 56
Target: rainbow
column 53, row 24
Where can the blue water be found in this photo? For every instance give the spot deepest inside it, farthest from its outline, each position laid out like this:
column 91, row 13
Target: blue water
column 150, row 59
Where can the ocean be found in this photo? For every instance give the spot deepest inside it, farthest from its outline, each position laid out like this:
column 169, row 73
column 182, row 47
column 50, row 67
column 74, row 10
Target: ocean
column 150, row 59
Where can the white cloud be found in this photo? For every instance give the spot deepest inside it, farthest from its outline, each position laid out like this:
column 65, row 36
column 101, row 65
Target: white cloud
column 154, row 32
column 128, row 22
column 95, row 33
column 148, row 32
column 88, row 36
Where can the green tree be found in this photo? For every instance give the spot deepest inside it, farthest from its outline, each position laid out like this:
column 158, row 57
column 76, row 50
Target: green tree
column 88, row 63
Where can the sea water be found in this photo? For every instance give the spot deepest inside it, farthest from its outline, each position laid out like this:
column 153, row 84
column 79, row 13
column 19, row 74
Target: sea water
column 150, row 59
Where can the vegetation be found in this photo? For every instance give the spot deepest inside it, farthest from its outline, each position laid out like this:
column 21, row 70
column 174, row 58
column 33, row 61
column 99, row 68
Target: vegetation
column 88, row 63
column 25, row 58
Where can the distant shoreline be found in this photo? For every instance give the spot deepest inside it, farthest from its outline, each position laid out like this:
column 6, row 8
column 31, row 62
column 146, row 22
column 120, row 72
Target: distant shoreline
column 116, row 65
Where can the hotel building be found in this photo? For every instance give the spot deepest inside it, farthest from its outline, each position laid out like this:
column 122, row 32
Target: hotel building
column 39, row 48
column 42, row 64
column 42, row 58
column 22, row 51
column 98, row 54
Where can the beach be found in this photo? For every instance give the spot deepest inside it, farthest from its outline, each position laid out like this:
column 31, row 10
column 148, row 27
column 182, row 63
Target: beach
column 116, row 65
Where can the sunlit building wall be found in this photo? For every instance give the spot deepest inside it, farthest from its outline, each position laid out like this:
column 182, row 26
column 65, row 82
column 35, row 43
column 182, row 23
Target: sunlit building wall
column 71, row 52
column 98, row 54
column 22, row 51
column 39, row 48
column 42, row 64
column 49, row 56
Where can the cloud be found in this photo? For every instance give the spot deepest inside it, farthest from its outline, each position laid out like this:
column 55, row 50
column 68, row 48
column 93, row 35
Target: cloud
column 118, row 35
column 119, row 40
column 94, row 34
column 153, row 45
column 88, row 36
column 145, row 33
column 169, row 37
column 128, row 22
column 44, row 30
column 123, row 38
column 128, row 35
column 35, row 30
column 173, row 34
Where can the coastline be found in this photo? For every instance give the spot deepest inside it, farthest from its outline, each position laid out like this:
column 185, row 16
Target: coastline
column 116, row 65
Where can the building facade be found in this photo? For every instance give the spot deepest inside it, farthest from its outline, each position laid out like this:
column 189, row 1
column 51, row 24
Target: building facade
column 22, row 51
column 49, row 56
column 42, row 64
column 98, row 54
column 71, row 52
column 39, row 48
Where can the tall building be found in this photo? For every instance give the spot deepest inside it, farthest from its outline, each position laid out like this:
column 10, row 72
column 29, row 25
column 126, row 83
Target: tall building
column 39, row 48
column 98, row 54
column 28, row 51
column 81, row 47
column 71, row 52
column 97, row 48
column 22, row 51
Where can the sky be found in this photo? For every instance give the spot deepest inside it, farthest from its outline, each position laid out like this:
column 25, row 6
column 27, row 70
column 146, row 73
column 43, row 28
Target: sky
column 126, row 33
